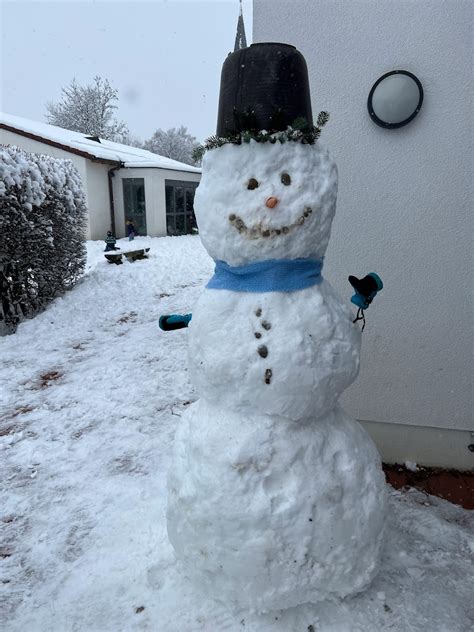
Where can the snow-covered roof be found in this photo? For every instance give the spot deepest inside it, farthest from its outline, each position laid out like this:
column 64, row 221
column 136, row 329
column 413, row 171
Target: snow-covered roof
column 104, row 150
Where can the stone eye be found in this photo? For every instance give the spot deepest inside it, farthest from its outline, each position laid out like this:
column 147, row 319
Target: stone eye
column 253, row 184
column 285, row 178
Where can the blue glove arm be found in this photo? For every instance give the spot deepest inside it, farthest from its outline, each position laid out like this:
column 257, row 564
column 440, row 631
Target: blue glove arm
column 169, row 322
column 366, row 289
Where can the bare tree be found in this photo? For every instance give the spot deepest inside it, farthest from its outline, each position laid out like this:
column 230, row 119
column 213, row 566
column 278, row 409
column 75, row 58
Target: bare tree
column 129, row 139
column 175, row 143
column 88, row 109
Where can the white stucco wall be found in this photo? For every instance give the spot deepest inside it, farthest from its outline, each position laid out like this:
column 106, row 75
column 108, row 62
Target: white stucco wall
column 155, row 201
column 404, row 196
column 36, row 147
column 99, row 199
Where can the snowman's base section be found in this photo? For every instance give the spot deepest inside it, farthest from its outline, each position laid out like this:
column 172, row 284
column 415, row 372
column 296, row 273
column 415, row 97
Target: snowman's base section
column 266, row 514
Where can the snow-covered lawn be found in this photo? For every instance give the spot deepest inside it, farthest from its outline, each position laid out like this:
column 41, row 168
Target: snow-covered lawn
column 91, row 393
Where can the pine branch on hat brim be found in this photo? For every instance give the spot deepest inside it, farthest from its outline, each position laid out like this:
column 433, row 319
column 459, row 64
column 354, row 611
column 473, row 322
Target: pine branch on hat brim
column 300, row 131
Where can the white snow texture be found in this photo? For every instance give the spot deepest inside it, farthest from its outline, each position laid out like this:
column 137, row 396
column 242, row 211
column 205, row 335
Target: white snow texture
column 35, row 175
column 91, row 393
column 276, row 497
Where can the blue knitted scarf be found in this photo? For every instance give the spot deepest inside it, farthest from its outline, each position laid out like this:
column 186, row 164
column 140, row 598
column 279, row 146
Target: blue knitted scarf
column 274, row 275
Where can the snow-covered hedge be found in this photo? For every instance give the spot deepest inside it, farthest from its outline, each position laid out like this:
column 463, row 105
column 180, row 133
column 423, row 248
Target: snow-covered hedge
column 42, row 232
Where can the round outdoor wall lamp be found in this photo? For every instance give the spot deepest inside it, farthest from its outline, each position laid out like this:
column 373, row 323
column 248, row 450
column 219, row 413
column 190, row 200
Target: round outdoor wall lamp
column 395, row 99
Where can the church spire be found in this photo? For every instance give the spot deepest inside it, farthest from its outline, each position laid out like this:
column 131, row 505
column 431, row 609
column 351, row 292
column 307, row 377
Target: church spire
column 240, row 39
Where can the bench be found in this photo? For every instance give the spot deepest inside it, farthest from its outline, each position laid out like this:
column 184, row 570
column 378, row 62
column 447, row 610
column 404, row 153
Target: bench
column 131, row 255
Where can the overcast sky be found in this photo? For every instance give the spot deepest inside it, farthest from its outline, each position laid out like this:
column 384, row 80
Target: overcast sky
column 164, row 56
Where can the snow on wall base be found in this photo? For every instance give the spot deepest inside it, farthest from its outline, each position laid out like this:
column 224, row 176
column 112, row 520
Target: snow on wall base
column 424, row 445
column 266, row 514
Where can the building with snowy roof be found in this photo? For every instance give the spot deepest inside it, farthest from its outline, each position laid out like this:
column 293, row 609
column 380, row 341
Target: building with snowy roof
column 120, row 182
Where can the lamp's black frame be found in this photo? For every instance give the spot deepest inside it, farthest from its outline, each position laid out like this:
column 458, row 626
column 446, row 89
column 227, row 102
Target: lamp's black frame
column 379, row 121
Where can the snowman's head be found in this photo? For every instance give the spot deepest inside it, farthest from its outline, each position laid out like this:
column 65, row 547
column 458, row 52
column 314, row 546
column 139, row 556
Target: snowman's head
column 259, row 201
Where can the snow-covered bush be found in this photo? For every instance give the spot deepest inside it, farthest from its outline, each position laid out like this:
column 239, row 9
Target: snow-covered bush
column 42, row 232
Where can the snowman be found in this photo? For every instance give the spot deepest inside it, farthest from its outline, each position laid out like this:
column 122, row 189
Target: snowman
column 276, row 496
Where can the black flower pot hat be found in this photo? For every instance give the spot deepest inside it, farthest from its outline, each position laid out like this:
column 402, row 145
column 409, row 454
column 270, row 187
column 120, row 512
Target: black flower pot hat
column 263, row 87
column 264, row 96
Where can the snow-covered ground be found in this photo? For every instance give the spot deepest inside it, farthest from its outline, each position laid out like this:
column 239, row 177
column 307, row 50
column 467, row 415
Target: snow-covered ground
column 91, row 393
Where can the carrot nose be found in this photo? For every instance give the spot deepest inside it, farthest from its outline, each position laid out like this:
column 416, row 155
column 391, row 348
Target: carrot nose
column 271, row 202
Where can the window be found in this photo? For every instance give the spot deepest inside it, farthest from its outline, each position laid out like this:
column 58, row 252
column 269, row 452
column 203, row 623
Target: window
column 134, row 203
column 180, row 219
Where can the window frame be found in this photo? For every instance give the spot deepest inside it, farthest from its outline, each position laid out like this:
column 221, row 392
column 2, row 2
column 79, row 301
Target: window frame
column 185, row 217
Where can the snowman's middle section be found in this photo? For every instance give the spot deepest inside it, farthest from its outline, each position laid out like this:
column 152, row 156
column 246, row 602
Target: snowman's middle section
column 285, row 353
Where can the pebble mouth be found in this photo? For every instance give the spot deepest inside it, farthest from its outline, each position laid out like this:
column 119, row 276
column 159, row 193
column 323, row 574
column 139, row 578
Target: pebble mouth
column 257, row 231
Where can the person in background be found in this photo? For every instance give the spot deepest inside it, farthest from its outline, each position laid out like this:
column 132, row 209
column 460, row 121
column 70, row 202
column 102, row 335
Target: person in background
column 131, row 232
column 110, row 242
